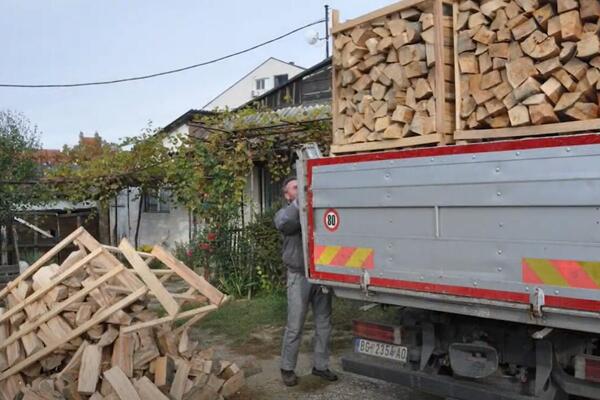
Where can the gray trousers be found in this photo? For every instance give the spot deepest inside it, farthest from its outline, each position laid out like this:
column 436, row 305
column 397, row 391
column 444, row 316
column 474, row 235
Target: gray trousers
column 301, row 294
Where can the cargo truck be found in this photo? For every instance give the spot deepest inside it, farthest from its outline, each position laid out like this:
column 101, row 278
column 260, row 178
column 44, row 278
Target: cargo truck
column 490, row 251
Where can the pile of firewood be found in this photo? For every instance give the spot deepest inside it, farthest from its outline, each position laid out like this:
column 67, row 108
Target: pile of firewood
column 385, row 80
column 527, row 62
column 104, row 326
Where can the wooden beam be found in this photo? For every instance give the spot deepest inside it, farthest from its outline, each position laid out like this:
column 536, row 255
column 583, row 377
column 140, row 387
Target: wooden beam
column 193, row 279
column 562, row 127
column 142, row 269
column 182, row 315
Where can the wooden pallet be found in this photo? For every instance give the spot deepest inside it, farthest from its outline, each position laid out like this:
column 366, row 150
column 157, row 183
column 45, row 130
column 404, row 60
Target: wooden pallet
column 525, row 68
column 369, row 70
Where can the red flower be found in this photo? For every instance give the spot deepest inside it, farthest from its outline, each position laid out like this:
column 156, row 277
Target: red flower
column 189, row 253
column 205, row 246
column 211, row 236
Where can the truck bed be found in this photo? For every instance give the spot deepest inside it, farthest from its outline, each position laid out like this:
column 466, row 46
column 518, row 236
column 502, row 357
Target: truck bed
column 505, row 230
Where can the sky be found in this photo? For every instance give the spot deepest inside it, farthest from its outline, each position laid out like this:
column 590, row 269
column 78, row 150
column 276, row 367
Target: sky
column 66, row 41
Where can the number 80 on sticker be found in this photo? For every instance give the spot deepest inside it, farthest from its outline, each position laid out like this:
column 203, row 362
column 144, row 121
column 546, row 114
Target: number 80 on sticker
column 331, row 220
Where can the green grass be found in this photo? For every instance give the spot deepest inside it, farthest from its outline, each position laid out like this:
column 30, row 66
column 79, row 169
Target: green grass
column 238, row 319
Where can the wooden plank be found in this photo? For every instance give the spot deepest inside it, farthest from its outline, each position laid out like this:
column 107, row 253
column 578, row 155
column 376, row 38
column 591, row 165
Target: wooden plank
column 122, row 355
column 561, row 127
column 98, row 318
column 30, row 326
column 193, row 279
column 73, row 363
column 180, row 380
column 148, row 391
column 121, row 384
column 387, row 144
column 43, row 260
column 128, row 278
column 457, row 94
column 38, row 294
column 163, row 371
column 440, row 93
column 89, row 372
column 162, row 295
column 382, row 12
column 181, row 315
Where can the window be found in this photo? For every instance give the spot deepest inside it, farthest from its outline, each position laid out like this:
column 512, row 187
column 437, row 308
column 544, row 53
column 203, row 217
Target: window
column 270, row 191
column 261, row 83
column 157, row 202
column 280, row 79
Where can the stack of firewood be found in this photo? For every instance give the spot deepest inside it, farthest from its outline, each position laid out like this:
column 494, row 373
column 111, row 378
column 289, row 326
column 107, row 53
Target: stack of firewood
column 104, row 326
column 527, row 62
column 385, row 79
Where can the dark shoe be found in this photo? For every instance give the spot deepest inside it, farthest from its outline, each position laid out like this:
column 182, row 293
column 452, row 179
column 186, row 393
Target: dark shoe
column 325, row 374
column 289, row 378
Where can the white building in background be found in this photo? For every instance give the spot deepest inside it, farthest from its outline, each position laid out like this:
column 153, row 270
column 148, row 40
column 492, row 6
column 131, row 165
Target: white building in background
column 268, row 75
column 155, row 218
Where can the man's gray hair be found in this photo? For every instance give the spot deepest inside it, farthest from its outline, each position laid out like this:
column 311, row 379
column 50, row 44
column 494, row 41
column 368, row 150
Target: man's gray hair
column 285, row 183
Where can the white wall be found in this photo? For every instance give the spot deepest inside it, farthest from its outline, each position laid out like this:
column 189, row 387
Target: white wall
column 241, row 92
column 155, row 228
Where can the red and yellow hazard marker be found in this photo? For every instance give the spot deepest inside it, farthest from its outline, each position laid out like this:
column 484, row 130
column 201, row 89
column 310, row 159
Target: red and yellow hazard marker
column 565, row 273
column 339, row 256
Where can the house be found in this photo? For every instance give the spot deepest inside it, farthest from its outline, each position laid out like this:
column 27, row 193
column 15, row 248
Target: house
column 305, row 93
column 269, row 74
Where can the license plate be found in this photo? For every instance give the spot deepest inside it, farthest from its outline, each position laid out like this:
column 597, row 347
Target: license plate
column 378, row 349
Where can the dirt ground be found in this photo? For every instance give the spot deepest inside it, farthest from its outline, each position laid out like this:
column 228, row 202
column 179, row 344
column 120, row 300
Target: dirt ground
column 259, row 358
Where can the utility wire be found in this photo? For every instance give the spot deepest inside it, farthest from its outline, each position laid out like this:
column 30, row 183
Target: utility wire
column 173, row 71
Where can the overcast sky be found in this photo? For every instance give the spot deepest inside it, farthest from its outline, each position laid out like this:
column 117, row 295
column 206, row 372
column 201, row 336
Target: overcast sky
column 68, row 41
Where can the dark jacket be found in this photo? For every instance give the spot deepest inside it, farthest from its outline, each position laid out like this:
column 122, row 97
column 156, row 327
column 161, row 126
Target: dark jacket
column 287, row 221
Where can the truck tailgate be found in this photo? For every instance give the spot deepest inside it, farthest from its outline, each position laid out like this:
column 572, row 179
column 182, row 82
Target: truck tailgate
column 507, row 230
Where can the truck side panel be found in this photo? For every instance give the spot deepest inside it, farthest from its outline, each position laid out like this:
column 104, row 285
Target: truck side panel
column 506, row 222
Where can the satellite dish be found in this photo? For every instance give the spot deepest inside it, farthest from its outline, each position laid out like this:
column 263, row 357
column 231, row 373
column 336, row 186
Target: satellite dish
column 312, row 37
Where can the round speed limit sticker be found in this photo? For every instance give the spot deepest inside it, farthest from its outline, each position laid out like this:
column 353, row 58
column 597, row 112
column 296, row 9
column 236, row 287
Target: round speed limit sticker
column 331, row 220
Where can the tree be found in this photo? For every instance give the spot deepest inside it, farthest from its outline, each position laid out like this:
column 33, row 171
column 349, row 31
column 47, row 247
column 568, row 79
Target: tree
column 19, row 170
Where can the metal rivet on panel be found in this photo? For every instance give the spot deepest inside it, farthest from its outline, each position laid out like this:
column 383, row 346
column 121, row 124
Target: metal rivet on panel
column 381, row 274
column 501, row 224
column 389, row 245
column 431, row 159
column 387, row 175
column 497, row 169
column 474, row 283
column 388, row 196
column 499, row 251
column 556, row 291
column 527, row 288
column 499, row 269
column 390, row 221
column 390, row 259
column 422, row 278
column 498, row 193
column 568, row 149
column 473, row 156
column 518, row 153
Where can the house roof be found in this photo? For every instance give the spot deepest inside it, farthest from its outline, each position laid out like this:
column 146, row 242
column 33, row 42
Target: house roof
column 184, row 119
column 295, row 78
column 47, row 156
column 250, row 72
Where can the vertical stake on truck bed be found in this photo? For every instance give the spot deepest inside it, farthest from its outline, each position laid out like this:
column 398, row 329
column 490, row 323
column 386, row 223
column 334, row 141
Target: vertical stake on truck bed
column 365, row 281
column 537, row 300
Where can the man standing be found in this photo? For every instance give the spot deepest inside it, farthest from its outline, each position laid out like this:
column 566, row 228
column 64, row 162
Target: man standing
column 300, row 293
